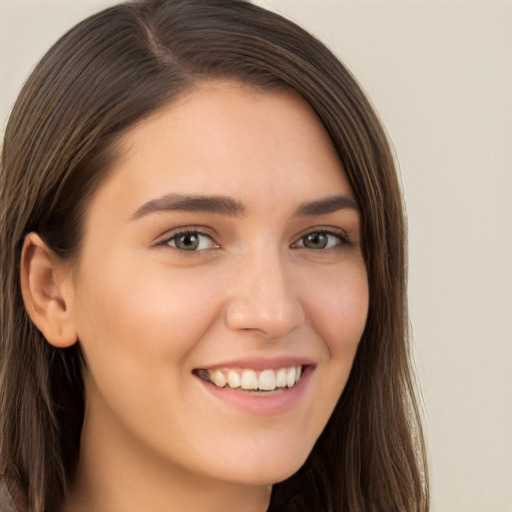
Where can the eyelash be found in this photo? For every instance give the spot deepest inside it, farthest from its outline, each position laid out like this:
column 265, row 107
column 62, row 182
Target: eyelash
column 182, row 232
column 191, row 232
column 339, row 234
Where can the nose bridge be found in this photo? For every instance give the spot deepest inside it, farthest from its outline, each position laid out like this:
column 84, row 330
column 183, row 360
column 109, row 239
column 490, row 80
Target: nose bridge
column 264, row 297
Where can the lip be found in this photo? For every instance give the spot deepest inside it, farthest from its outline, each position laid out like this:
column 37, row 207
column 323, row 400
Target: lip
column 264, row 404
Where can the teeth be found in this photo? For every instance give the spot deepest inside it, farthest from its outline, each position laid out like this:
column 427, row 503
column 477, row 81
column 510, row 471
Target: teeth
column 267, row 380
column 250, row 380
column 281, row 378
column 219, row 379
column 290, row 376
column 233, row 379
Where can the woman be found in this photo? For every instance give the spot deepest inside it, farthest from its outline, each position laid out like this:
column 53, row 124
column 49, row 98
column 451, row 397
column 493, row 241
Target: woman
column 203, row 275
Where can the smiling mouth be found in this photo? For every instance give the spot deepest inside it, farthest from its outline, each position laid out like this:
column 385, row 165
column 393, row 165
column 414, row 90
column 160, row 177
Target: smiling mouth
column 248, row 380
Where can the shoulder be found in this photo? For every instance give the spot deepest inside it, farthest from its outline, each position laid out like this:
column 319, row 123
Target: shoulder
column 11, row 496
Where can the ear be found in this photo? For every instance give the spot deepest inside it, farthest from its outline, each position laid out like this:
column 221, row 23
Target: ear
column 47, row 291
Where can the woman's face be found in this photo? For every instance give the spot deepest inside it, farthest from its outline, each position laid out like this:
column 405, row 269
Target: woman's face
column 221, row 253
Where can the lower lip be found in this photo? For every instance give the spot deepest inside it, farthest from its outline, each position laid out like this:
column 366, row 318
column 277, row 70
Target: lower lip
column 268, row 404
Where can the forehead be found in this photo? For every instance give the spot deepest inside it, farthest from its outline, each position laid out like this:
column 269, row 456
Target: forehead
column 226, row 138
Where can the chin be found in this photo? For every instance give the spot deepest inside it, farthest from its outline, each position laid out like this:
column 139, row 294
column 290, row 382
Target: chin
column 271, row 471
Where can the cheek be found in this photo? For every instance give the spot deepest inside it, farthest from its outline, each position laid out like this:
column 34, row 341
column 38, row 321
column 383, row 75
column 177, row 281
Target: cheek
column 339, row 311
column 141, row 313
column 137, row 335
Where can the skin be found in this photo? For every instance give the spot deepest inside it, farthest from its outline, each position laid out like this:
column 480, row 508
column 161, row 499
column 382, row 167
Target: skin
column 148, row 313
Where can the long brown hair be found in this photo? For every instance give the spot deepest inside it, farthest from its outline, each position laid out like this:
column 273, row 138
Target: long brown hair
column 106, row 74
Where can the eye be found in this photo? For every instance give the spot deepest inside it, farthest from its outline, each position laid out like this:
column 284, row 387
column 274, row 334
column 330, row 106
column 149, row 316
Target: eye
column 190, row 241
column 321, row 240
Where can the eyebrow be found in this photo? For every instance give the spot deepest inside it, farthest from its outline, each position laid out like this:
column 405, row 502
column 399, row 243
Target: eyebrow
column 225, row 205
column 327, row 205
column 191, row 203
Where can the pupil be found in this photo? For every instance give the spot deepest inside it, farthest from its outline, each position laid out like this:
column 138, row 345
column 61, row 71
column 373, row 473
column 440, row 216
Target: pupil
column 188, row 242
column 316, row 241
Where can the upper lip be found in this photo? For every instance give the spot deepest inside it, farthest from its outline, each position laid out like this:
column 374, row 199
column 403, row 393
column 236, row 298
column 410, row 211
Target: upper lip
column 262, row 363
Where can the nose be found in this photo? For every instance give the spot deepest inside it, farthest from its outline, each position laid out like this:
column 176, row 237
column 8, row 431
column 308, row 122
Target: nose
column 264, row 299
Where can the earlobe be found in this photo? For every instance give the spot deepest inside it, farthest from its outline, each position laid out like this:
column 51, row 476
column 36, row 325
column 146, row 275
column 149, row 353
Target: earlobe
column 47, row 292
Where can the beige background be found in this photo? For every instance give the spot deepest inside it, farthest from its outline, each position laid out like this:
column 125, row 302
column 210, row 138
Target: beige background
column 440, row 74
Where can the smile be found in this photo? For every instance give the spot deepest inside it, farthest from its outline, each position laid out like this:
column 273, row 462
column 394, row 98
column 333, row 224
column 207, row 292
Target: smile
column 252, row 380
